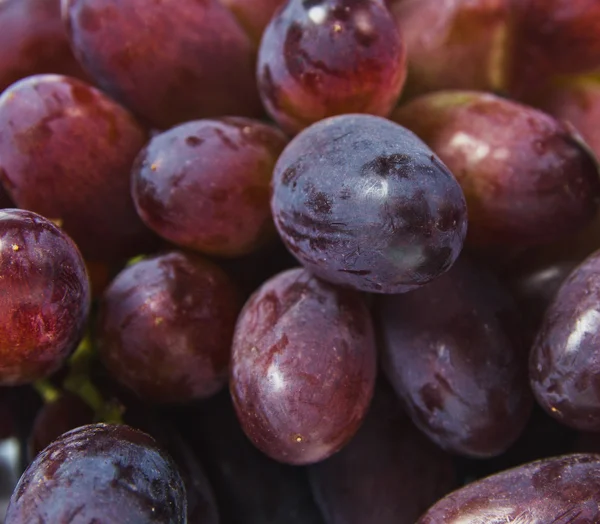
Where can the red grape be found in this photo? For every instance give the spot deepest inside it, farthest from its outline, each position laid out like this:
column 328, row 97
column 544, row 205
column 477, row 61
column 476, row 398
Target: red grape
column 44, row 297
column 169, row 62
column 33, row 40
column 362, row 202
column 321, row 58
column 166, row 325
column 303, row 367
column 204, row 185
column 66, row 152
column 454, row 353
column 526, row 178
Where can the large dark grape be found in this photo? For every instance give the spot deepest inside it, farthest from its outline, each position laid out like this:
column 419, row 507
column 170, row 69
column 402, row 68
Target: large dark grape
column 556, row 490
column 303, row 367
column 103, row 474
column 250, row 487
column 169, row 62
column 387, row 474
column 454, row 44
column 166, row 325
column 565, row 362
column 204, row 185
column 362, row 202
column 329, row 57
column 33, row 40
column 526, row 177
column 454, row 353
column 44, row 297
column 66, row 152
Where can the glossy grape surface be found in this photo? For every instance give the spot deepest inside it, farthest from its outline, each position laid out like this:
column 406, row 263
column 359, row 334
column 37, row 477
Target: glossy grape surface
column 44, row 297
column 33, row 40
column 454, row 353
column 166, row 325
column 204, row 185
column 556, row 490
column 169, row 62
column 362, row 202
column 565, row 364
column 330, row 57
column 303, row 367
column 100, row 473
column 388, row 473
column 526, row 178
column 66, row 152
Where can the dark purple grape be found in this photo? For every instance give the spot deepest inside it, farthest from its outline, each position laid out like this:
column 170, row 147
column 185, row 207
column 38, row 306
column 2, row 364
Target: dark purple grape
column 250, row 487
column 102, row 474
column 329, row 57
column 557, row 490
column 57, row 417
column 44, row 297
column 169, row 62
column 303, row 367
column 362, row 202
column 33, row 40
column 204, row 185
column 454, row 353
column 565, row 362
column 166, row 325
column 387, row 474
column 66, row 152
column 526, row 177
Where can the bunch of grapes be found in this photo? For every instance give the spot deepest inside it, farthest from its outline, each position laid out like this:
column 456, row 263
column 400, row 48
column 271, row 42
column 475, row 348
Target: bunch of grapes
column 299, row 261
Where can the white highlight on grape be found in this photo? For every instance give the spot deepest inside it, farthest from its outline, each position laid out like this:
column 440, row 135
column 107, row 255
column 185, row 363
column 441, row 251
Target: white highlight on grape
column 317, row 14
column 475, row 148
column 587, row 324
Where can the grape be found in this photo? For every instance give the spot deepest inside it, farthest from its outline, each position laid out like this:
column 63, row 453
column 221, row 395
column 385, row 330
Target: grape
column 303, row 367
column 33, row 40
column 66, row 152
column 57, row 417
column 362, row 202
column 100, row 473
column 454, row 44
column 565, row 363
column 388, row 474
column 558, row 490
column 253, row 16
column 166, row 325
column 552, row 38
column 526, row 178
column 169, row 62
column 321, row 58
column 280, row 494
column 44, row 297
column 204, row 185
column 454, row 353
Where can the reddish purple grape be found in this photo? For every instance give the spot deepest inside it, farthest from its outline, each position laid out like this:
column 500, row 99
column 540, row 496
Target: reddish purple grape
column 362, row 202
column 66, row 152
column 303, row 367
column 204, row 185
column 33, row 40
column 555, row 490
column 169, row 62
column 565, row 362
column 100, row 473
column 44, row 297
column 454, row 353
column 166, row 325
column 387, row 474
column 321, row 58
column 526, row 177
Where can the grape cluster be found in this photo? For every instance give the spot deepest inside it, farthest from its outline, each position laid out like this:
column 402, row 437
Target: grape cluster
column 299, row 261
